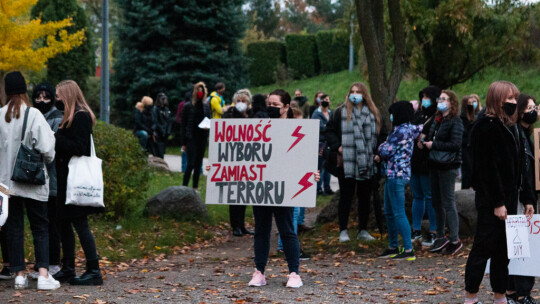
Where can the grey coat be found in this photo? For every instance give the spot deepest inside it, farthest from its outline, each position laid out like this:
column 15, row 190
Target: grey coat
column 54, row 118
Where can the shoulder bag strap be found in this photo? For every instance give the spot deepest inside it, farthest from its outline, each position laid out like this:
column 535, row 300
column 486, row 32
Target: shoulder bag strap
column 24, row 123
column 92, row 148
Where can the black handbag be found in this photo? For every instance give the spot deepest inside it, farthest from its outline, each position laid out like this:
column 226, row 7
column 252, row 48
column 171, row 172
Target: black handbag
column 29, row 167
column 443, row 157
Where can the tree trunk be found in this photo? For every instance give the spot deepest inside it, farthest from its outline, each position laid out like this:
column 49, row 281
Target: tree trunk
column 2, row 89
column 383, row 86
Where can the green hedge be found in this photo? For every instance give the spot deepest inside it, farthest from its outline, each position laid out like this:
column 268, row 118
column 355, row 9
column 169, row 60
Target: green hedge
column 265, row 57
column 125, row 169
column 302, row 56
column 333, row 51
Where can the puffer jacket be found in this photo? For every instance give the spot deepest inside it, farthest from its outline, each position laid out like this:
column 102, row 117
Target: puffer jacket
column 54, row 118
column 447, row 135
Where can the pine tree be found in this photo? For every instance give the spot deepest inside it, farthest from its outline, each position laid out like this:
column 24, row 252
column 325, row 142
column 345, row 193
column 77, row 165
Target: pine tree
column 79, row 63
column 169, row 45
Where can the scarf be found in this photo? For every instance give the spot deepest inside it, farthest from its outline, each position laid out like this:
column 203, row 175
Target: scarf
column 358, row 141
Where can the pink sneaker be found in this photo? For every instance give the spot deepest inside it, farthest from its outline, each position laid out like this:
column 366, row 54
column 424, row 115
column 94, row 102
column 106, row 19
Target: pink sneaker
column 294, row 280
column 257, row 279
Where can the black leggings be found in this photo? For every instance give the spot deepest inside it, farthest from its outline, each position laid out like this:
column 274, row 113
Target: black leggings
column 54, row 237
column 347, row 188
column 195, row 154
column 85, row 237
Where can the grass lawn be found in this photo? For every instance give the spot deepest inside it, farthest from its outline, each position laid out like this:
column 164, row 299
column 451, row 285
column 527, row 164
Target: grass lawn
column 337, row 84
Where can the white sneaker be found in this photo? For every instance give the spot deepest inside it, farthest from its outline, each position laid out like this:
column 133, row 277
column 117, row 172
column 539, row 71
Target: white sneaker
column 21, row 282
column 53, row 269
column 364, row 235
column 48, row 283
column 344, row 236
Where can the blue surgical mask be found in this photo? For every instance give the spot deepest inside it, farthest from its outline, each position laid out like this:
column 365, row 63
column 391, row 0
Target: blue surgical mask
column 426, row 102
column 441, row 106
column 475, row 105
column 391, row 118
column 355, row 98
column 318, row 100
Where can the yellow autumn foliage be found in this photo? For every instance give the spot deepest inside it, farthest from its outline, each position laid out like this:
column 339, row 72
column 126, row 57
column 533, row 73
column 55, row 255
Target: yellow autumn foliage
column 18, row 36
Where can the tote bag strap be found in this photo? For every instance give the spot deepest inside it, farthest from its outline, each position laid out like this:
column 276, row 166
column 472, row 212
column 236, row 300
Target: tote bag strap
column 92, row 148
column 24, row 123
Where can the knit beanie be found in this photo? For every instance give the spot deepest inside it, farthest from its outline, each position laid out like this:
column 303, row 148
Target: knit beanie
column 15, row 83
column 402, row 111
column 44, row 87
column 432, row 92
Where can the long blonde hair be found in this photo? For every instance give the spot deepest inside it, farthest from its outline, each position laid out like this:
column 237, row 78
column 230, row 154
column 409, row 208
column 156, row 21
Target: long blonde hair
column 70, row 93
column 369, row 102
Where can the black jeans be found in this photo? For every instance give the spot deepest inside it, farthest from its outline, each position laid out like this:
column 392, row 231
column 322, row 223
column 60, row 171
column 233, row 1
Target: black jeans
column 263, row 228
column 347, row 187
column 195, row 152
column 4, row 245
column 54, row 237
column 237, row 214
column 37, row 215
column 522, row 285
column 489, row 242
column 443, row 183
column 85, row 237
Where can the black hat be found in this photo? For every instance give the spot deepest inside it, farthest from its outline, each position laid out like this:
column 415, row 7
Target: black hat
column 15, row 83
column 402, row 112
column 432, row 92
column 50, row 91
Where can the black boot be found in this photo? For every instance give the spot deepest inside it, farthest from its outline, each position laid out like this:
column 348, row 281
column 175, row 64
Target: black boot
column 67, row 273
column 92, row 275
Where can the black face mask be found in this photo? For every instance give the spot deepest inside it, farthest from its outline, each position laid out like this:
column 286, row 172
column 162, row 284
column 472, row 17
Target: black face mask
column 59, row 104
column 273, row 112
column 470, row 107
column 530, row 117
column 509, row 108
column 43, row 107
column 325, row 104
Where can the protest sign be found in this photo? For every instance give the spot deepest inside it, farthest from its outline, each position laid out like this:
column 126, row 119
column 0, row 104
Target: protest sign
column 517, row 236
column 3, row 204
column 529, row 266
column 263, row 162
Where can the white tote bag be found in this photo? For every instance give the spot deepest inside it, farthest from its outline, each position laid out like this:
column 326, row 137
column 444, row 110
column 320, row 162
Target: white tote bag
column 85, row 180
column 4, row 201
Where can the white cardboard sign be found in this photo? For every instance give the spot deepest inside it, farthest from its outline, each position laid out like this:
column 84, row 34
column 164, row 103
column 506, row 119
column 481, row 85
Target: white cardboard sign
column 529, row 266
column 517, row 236
column 263, row 162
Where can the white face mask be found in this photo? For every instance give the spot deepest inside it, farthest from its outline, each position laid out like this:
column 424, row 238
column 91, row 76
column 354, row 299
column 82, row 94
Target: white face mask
column 241, row 107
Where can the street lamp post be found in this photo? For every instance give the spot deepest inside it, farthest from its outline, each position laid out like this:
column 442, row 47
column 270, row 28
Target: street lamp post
column 104, row 96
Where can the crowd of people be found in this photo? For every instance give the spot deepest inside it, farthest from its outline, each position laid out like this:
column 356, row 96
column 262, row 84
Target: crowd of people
column 40, row 135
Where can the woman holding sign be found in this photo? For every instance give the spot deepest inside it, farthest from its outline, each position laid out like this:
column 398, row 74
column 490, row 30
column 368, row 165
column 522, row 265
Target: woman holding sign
column 520, row 287
column 278, row 107
column 498, row 158
column 352, row 132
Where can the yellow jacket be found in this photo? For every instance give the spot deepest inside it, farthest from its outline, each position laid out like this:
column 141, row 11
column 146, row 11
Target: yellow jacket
column 216, row 104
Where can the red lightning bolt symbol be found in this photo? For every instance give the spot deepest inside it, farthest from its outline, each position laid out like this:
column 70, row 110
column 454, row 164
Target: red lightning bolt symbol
column 304, row 182
column 298, row 136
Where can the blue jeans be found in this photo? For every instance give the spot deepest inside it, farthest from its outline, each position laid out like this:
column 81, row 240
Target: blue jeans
column 263, row 227
column 324, row 183
column 184, row 161
column 143, row 138
column 421, row 192
column 302, row 216
column 296, row 220
column 394, row 210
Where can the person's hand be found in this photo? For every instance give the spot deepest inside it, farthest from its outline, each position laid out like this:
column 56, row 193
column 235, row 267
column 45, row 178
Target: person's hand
column 183, row 148
column 377, row 159
column 317, row 176
column 208, row 168
column 529, row 211
column 340, row 150
column 154, row 138
column 501, row 212
column 420, row 145
column 428, row 144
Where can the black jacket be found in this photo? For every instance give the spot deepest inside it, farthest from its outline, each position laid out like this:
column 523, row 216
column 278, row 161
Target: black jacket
column 419, row 159
column 72, row 141
column 162, row 124
column 447, row 135
column 498, row 158
column 192, row 115
column 528, row 162
column 333, row 130
column 139, row 124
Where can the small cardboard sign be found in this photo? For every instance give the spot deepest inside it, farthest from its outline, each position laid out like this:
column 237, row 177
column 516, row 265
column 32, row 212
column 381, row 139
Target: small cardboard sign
column 537, row 158
column 263, row 162
column 517, row 237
